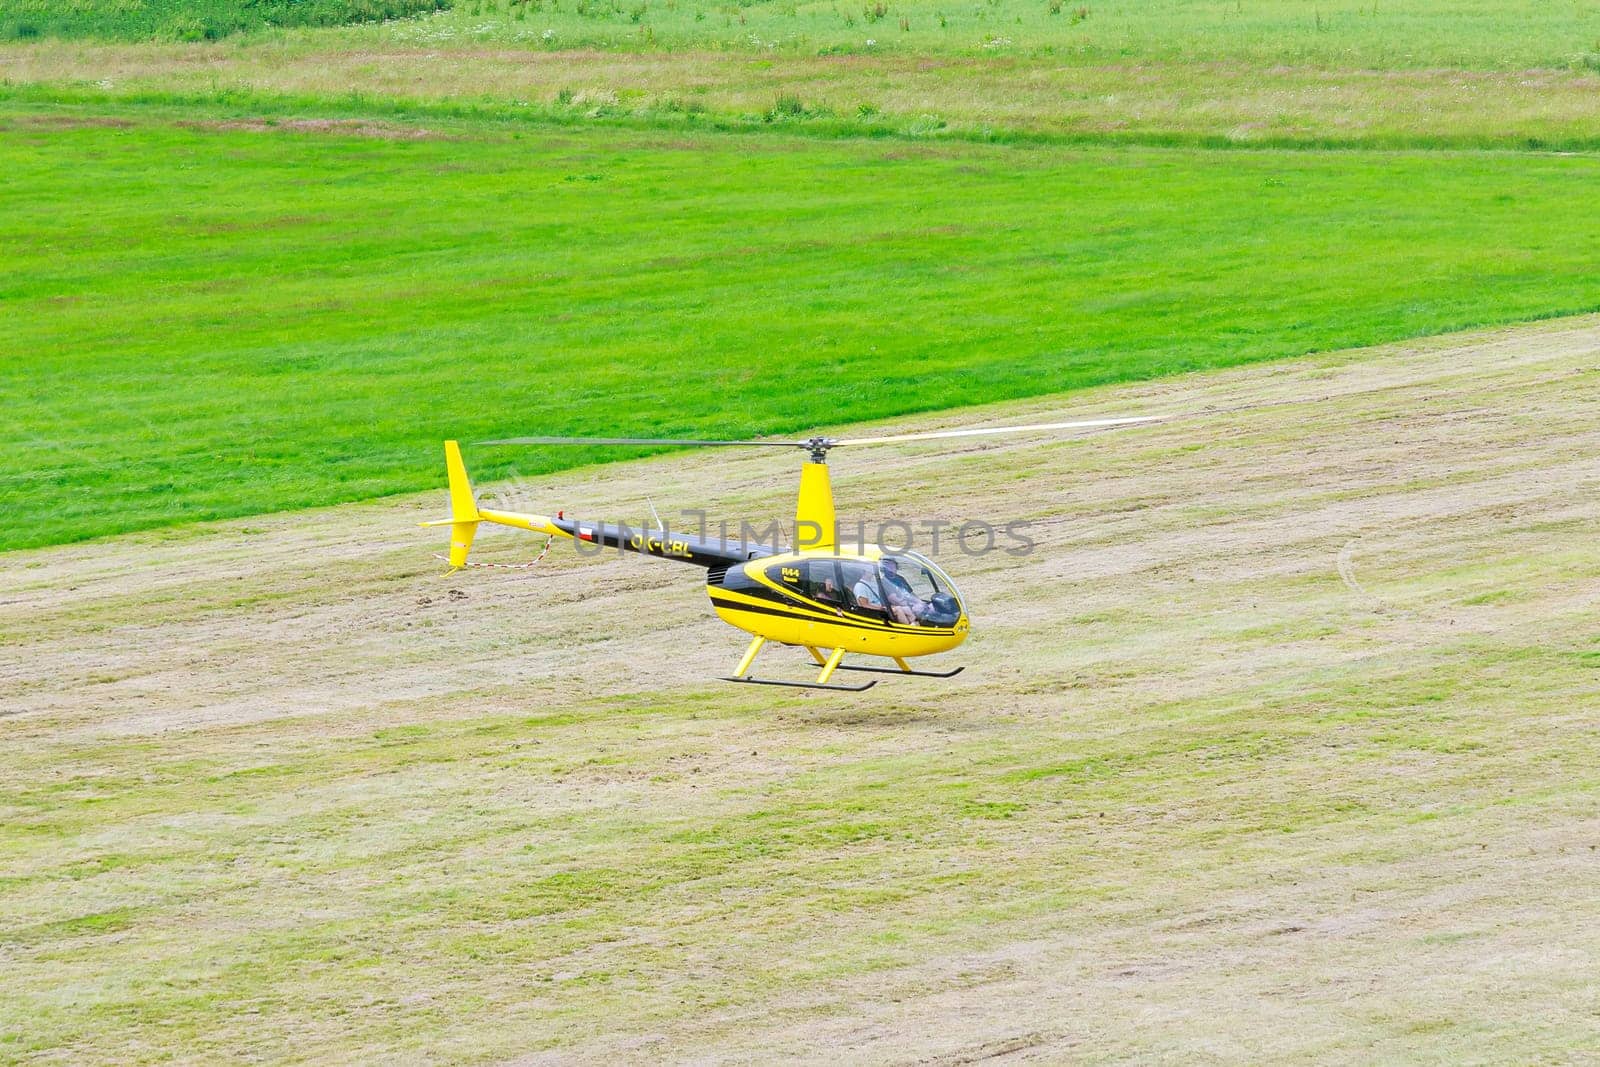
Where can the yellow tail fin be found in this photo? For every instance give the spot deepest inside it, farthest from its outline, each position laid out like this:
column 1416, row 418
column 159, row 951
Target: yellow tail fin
column 464, row 517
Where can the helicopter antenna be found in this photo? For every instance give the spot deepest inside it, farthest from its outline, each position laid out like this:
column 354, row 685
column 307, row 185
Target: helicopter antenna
column 661, row 526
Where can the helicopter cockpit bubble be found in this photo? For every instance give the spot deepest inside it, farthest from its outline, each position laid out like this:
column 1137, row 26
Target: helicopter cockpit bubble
column 915, row 585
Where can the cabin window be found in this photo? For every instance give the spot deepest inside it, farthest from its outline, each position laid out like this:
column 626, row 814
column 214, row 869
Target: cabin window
column 823, row 583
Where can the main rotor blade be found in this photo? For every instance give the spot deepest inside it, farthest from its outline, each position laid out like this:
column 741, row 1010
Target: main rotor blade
column 825, row 442
column 641, row 441
column 984, row 431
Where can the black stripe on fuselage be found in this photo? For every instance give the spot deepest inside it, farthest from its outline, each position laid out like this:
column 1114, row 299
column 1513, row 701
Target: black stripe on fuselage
column 764, row 589
column 701, row 552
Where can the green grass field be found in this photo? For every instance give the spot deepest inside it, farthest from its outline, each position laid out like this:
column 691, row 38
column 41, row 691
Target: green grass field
column 193, row 329
column 1475, row 34
column 188, row 20
column 1414, row 33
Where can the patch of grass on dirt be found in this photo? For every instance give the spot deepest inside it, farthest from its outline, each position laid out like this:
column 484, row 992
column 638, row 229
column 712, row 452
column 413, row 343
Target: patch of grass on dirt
column 1235, row 771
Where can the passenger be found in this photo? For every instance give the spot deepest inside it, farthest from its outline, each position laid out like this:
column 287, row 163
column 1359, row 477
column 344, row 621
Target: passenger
column 904, row 604
column 866, row 592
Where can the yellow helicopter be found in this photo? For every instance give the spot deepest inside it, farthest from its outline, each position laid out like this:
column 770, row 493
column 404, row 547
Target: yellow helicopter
column 818, row 594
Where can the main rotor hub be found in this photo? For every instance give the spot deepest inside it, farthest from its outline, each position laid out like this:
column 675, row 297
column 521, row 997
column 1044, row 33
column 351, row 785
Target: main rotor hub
column 818, row 447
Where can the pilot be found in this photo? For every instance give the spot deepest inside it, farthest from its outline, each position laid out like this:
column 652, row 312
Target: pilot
column 903, row 603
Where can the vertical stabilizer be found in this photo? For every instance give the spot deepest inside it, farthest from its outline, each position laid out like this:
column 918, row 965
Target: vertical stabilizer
column 463, row 506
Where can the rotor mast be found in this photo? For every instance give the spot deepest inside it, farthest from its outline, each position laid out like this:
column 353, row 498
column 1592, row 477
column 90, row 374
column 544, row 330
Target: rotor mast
column 815, row 524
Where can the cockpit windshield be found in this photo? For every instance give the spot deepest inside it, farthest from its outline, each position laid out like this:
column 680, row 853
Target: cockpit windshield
column 916, row 591
column 905, row 588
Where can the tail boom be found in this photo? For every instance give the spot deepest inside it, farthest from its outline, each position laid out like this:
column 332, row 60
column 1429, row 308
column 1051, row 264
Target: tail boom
column 465, row 515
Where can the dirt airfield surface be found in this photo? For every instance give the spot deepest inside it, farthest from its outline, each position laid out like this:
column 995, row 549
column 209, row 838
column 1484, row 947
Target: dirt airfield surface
column 1281, row 744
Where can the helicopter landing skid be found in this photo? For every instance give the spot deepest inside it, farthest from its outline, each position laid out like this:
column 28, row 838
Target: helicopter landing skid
column 741, row 673
column 907, row 673
column 901, row 667
column 803, row 685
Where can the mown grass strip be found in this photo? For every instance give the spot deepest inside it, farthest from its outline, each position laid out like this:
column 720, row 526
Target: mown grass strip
column 671, row 115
